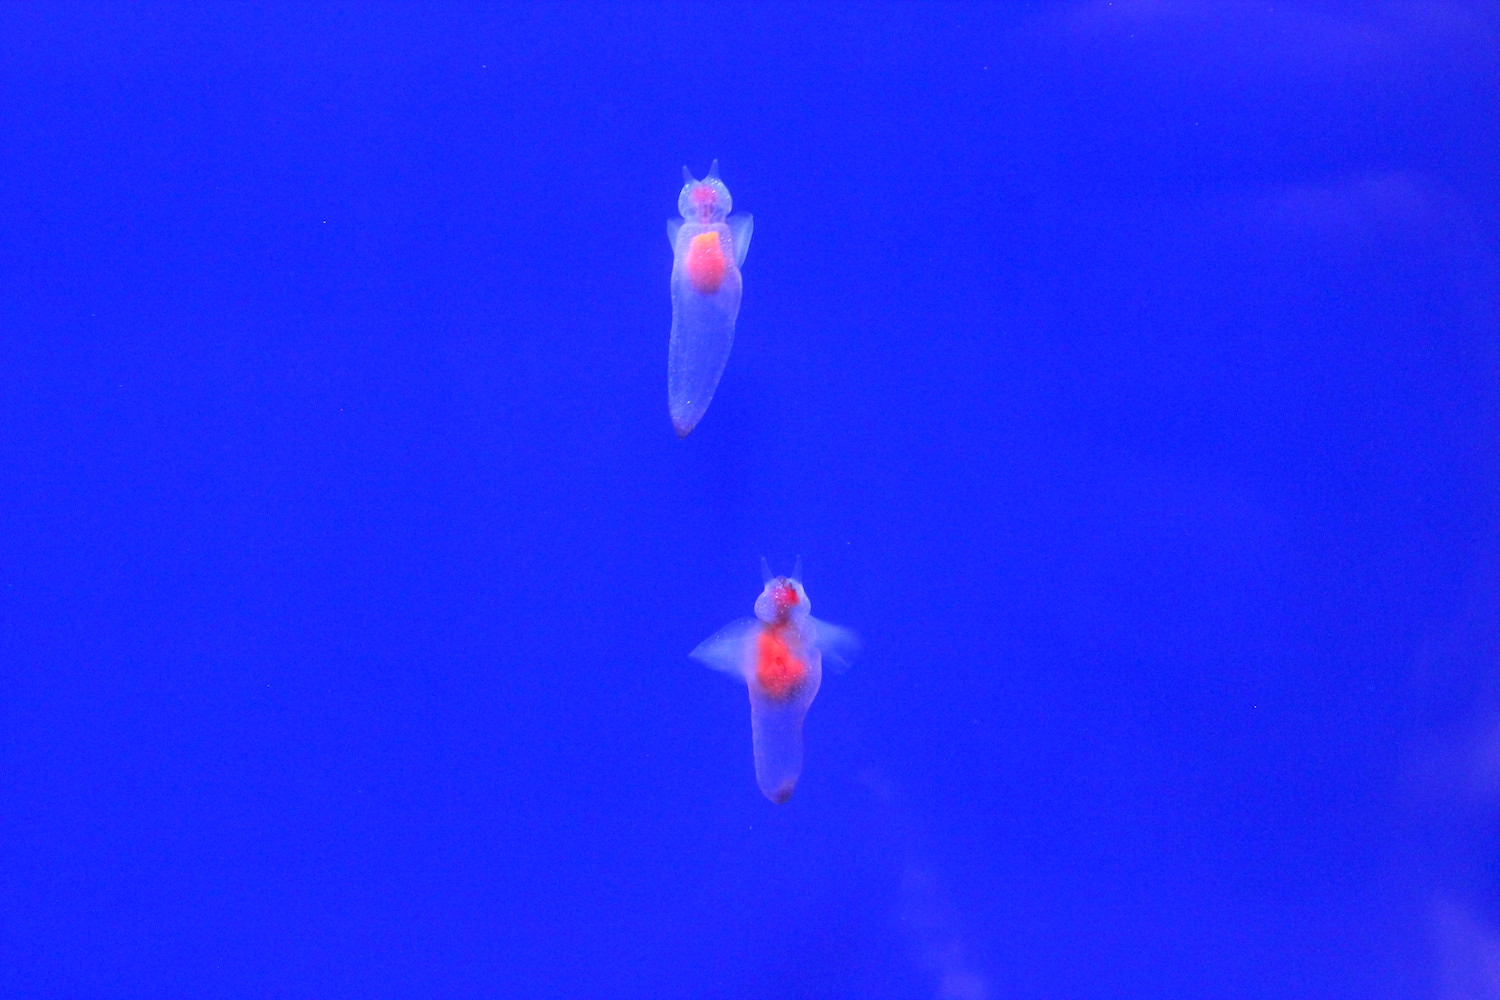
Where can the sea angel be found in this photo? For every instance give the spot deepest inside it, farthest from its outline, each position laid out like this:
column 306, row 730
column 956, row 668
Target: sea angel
column 780, row 659
column 708, row 250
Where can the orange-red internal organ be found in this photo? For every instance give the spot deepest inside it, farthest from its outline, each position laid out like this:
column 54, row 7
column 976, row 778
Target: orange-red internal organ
column 777, row 668
column 784, row 597
column 706, row 263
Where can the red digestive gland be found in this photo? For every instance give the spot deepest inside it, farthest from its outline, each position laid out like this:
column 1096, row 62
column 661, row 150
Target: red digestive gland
column 776, row 668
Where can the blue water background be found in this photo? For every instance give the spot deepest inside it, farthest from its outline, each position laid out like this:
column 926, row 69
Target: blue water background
column 1125, row 374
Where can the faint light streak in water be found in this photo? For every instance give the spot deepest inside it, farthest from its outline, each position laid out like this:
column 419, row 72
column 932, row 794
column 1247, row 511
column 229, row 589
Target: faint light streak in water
column 1456, row 788
column 1465, row 920
column 928, row 914
column 1468, row 954
column 935, row 925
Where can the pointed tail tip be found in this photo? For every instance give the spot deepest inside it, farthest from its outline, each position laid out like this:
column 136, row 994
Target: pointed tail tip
column 685, row 413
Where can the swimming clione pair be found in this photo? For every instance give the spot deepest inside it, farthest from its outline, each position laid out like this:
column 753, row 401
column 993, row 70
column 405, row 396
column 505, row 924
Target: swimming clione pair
column 779, row 652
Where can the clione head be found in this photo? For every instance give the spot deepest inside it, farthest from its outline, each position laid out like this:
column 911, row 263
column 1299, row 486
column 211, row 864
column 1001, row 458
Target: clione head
column 782, row 601
column 704, row 201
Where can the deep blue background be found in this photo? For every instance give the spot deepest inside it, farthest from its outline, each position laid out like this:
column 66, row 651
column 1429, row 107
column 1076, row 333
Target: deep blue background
column 1125, row 374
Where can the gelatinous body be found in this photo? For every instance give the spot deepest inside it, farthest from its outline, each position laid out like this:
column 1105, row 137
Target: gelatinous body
column 779, row 656
column 708, row 249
